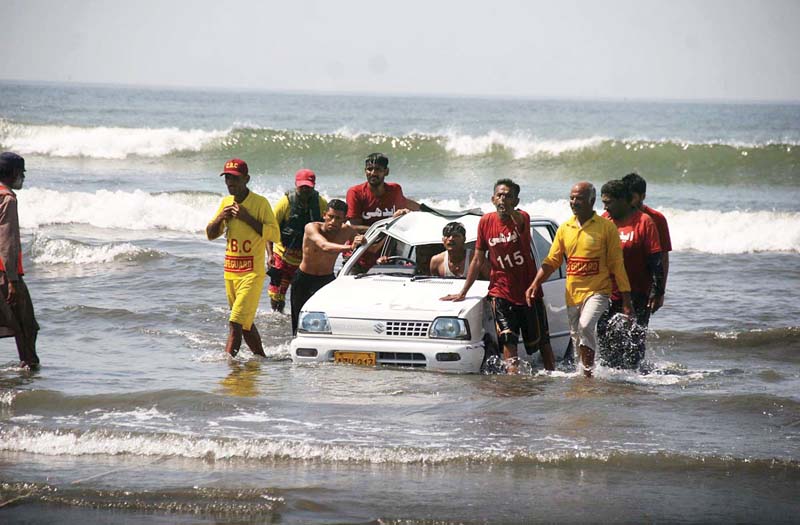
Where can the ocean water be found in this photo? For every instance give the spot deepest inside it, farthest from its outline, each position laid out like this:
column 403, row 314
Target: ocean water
column 137, row 415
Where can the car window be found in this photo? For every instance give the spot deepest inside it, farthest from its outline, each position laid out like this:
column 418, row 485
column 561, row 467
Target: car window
column 387, row 255
column 542, row 239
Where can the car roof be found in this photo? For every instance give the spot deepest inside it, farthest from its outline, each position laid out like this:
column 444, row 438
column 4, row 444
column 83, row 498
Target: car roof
column 421, row 227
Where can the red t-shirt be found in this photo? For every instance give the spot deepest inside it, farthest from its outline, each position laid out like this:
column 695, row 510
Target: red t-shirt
column 661, row 226
column 639, row 238
column 361, row 202
column 509, row 246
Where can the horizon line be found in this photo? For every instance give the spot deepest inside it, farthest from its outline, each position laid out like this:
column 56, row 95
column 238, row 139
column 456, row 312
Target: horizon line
column 478, row 96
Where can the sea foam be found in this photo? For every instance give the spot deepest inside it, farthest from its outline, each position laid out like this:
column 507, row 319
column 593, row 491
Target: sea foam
column 103, row 142
column 734, row 232
column 519, row 145
column 129, row 210
column 543, row 451
column 709, row 231
column 64, row 251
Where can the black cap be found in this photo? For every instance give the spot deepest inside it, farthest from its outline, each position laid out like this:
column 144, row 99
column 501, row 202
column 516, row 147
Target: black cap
column 378, row 159
column 11, row 161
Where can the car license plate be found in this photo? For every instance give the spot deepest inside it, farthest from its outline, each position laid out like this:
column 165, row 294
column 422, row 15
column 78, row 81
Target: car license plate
column 355, row 358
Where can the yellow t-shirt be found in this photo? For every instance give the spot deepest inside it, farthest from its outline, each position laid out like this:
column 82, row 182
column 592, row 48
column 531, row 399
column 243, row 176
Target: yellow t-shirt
column 593, row 254
column 246, row 249
column 282, row 209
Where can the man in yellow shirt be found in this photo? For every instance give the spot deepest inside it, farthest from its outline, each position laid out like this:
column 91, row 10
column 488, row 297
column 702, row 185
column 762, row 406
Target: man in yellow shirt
column 248, row 223
column 591, row 245
column 293, row 211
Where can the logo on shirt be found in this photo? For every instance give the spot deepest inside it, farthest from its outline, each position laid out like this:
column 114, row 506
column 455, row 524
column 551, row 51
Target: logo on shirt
column 378, row 213
column 583, row 266
column 626, row 237
column 234, row 264
column 503, row 238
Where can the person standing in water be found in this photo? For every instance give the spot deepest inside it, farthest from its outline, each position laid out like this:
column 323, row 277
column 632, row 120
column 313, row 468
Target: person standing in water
column 17, row 318
column 591, row 245
column 248, row 223
column 506, row 235
column 638, row 187
column 293, row 211
column 642, row 254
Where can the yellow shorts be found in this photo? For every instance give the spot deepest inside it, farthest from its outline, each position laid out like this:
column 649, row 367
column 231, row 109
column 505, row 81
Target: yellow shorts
column 243, row 297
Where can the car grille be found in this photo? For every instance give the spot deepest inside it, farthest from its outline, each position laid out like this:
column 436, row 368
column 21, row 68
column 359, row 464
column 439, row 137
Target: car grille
column 402, row 359
column 406, row 328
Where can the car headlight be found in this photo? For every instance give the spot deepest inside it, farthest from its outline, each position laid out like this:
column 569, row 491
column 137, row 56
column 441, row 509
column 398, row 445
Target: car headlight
column 315, row 323
column 449, row 328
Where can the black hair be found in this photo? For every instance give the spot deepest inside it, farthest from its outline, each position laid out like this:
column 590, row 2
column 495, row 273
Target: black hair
column 452, row 228
column 378, row 159
column 513, row 186
column 635, row 183
column 9, row 164
column 616, row 189
column 338, row 205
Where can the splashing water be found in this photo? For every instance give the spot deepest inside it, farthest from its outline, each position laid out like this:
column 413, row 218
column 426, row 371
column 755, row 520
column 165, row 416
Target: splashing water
column 622, row 342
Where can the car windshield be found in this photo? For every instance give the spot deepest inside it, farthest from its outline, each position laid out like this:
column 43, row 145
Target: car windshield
column 387, row 255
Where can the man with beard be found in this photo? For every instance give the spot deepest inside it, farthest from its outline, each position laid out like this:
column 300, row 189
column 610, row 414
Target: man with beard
column 375, row 199
column 506, row 235
column 591, row 245
column 322, row 244
column 641, row 252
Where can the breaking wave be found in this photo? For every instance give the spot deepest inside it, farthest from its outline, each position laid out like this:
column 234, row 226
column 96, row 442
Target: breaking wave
column 666, row 158
column 128, row 210
column 44, row 250
column 102, row 442
column 705, row 231
column 103, row 142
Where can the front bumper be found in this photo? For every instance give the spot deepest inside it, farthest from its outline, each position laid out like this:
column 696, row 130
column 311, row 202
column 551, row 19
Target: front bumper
column 427, row 354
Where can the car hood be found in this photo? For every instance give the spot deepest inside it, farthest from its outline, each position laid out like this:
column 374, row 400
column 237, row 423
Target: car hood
column 386, row 297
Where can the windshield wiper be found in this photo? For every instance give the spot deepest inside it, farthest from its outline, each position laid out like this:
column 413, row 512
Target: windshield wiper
column 383, row 274
column 424, row 277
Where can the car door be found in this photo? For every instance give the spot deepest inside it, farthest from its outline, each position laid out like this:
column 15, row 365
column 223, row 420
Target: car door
column 542, row 233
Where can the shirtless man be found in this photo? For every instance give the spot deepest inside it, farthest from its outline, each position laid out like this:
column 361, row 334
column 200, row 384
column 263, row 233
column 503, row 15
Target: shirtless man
column 322, row 244
column 453, row 261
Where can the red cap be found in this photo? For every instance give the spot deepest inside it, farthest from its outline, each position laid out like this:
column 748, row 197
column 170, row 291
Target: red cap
column 305, row 177
column 235, row 167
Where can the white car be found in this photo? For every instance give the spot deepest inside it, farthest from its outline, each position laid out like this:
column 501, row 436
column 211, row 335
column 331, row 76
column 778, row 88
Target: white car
column 391, row 313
